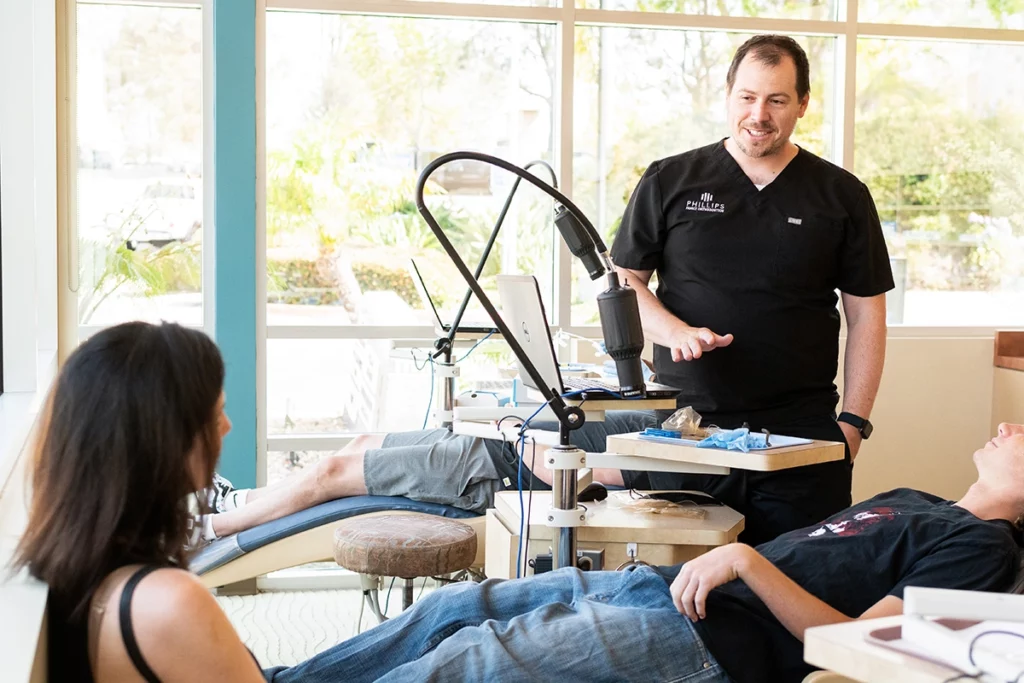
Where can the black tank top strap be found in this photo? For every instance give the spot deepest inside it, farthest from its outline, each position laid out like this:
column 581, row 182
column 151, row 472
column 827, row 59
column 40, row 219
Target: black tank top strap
column 127, row 632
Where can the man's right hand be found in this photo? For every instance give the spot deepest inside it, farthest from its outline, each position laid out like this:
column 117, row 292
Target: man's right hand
column 691, row 343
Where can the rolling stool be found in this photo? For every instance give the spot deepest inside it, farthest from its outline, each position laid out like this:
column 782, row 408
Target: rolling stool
column 405, row 546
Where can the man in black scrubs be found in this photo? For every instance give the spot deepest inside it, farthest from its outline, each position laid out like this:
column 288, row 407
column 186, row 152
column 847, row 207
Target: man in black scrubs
column 750, row 238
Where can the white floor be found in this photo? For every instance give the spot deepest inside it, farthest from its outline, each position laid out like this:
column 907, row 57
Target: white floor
column 288, row 627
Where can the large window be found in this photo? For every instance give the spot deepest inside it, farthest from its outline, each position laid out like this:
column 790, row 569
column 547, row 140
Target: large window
column 775, row 9
column 139, row 143
column 642, row 95
column 968, row 13
column 357, row 104
column 940, row 142
column 356, row 107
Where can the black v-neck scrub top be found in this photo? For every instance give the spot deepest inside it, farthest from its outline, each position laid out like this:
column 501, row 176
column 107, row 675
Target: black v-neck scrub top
column 763, row 265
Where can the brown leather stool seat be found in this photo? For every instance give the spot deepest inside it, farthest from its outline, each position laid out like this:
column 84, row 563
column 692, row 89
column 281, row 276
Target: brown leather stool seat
column 406, row 546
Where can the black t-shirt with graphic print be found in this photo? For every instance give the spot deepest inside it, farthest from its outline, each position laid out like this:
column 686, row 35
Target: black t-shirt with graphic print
column 851, row 561
column 762, row 265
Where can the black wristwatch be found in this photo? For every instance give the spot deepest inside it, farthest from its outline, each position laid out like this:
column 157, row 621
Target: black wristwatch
column 863, row 425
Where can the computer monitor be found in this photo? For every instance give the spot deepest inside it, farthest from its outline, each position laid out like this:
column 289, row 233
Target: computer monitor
column 522, row 308
column 523, row 311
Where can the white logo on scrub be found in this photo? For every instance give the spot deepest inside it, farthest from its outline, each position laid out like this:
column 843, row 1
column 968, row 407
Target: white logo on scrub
column 706, row 203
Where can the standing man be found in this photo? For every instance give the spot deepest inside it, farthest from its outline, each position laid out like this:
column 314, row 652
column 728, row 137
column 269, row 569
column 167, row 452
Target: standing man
column 750, row 238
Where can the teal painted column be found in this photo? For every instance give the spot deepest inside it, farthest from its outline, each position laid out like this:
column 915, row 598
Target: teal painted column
column 234, row 114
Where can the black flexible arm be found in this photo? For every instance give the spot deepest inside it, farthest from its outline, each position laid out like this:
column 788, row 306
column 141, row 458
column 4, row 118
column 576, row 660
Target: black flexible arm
column 571, row 417
column 446, row 342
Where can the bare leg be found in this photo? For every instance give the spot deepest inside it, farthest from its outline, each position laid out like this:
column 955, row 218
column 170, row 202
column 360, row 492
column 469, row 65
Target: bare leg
column 604, row 475
column 356, row 446
column 333, row 477
column 609, row 476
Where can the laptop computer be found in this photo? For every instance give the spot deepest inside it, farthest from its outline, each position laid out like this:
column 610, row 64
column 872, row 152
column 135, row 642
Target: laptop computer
column 523, row 311
column 421, row 288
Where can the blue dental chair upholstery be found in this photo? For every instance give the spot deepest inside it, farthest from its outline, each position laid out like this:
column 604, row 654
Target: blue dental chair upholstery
column 306, row 536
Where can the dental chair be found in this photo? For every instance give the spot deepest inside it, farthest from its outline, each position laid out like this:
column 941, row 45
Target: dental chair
column 307, row 536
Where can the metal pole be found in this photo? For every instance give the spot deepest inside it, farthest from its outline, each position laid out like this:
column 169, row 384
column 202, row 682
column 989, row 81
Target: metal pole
column 446, row 374
column 563, row 497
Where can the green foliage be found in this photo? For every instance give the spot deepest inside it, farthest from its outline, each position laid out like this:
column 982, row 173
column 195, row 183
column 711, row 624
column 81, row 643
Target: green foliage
column 945, row 177
column 312, row 282
column 299, row 274
column 146, row 270
column 373, row 277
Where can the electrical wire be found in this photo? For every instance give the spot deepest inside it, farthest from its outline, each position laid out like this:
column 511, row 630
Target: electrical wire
column 433, row 375
column 529, row 495
column 472, row 348
column 387, row 599
column 418, row 366
column 430, row 400
column 359, row 621
column 993, row 632
column 522, row 443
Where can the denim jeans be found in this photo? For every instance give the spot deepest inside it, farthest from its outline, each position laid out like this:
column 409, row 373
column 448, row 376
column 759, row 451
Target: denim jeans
column 561, row 625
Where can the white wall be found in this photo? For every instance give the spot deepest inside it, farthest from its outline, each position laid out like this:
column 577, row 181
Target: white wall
column 940, row 399
column 28, row 173
column 933, row 410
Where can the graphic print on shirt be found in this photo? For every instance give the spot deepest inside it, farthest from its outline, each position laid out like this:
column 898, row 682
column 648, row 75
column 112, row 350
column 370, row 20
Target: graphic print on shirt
column 857, row 523
column 706, row 203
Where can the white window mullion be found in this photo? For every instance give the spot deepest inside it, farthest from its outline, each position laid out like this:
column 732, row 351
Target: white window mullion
column 308, row 442
column 562, row 295
column 845, row 88
column 416, row 8
column 951, row 34
column 705, row 22
column 209, row 280
column 421, row 332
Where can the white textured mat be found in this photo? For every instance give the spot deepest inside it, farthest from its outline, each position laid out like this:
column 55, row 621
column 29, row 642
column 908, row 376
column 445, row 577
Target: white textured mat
column 288, row 627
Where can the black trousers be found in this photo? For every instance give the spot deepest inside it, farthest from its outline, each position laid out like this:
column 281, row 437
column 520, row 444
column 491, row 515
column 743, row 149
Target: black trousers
column 772, row 502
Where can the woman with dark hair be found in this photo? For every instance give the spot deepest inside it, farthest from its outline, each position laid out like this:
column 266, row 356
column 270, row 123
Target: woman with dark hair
column 132, row 428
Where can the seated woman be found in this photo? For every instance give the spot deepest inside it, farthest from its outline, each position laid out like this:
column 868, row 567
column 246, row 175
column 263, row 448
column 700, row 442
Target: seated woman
column 135, row 423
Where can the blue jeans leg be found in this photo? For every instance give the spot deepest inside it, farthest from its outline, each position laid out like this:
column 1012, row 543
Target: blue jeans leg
column 596, row 626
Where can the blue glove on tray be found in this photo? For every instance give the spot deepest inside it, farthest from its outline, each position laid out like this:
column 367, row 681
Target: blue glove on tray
column 734, row 440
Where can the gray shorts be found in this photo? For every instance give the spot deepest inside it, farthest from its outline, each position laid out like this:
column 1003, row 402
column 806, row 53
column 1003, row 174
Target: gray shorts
column 433, row 466
column 436, row 466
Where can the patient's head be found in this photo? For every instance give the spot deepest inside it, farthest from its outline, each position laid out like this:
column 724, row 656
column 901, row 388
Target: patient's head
column 132, row 426
column 1009, row 429
column 1000, row 463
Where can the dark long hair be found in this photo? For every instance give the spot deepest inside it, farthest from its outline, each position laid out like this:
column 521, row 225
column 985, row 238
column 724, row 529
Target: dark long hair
column 111, row 474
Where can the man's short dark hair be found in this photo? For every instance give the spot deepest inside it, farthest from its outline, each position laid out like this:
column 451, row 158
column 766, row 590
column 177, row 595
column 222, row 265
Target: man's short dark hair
column 769, row 49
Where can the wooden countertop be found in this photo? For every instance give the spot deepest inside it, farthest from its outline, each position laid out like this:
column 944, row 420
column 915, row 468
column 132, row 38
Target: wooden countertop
column 1009, row 350
column 762, row 461
column 612, row 521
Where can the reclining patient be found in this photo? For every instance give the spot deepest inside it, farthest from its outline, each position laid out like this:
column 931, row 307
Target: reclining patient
column 433, row 466
column 107, row 532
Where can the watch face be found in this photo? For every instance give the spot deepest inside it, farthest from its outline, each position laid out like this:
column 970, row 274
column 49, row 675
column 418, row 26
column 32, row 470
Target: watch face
column 866, row 430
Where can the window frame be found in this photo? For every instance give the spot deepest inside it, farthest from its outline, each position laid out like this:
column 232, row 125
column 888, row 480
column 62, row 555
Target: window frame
column 845, row 29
